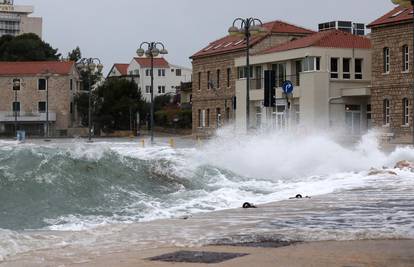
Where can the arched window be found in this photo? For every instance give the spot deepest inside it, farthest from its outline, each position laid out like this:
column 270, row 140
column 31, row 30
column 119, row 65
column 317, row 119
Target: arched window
column 405, row 112
column 386, row 112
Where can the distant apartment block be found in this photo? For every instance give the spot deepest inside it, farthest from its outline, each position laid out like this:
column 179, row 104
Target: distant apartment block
column 23, row 101
column 167, row 77
column 16, row 20
column 346, row 26
column 392, row 74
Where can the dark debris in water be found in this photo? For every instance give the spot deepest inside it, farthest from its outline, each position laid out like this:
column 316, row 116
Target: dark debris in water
column 197, row 257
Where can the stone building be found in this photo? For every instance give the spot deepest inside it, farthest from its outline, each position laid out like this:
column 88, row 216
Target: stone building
column 214, row 74
column 392, row 74
column 23, row 102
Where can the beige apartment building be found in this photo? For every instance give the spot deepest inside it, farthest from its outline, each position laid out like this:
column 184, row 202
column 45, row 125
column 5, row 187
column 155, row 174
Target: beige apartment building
column 16, row 19
column 215, row 75
column 23, row 97
column 331, row 74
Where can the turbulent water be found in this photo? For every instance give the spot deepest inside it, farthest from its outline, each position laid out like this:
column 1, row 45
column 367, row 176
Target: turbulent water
column 75, row 186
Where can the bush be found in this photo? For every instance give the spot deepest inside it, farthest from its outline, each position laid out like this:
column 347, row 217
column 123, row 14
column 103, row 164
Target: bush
column 174, row 118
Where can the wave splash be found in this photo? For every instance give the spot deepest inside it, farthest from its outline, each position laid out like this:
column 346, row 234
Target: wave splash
column 76, row 186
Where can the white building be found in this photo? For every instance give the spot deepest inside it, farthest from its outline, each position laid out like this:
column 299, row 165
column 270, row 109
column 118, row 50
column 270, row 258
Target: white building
column 331, row 74
column 15, row 20
column 167, row 77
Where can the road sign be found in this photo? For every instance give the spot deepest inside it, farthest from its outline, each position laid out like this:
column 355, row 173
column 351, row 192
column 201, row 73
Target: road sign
column 287, row 87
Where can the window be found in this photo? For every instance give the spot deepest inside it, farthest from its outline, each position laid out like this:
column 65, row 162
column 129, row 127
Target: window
column 228, row 76
column 161, row 72
column 148, row 89
column 369, row 112
column 203, row 118
column 311, row 63
column 242, row 72
column 161, row 89
column 16, row 84
column 334, row 68
column 280, row 70
column 178, row 72
column 207, row 119
column 298, row 70
column 258, row 117
column 16, row 106
column 218, row 118
column 227, row 114
column 41, row 85
column 406, row 58
column 71, row 108
column 405, row 112
column 41, row 107
column 346, row 64
column 386, row 112
column 218, row 78
column 358, row 69
column 208, row 80
column 386, row 60
column 199, row 81
column 199, row 118
column 147, row 72
column 71, row 84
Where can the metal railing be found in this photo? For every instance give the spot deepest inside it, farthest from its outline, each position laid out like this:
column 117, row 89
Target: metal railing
column 258, row 84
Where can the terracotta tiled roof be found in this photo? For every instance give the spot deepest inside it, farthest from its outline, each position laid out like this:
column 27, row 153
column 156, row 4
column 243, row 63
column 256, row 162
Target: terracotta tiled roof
column 331, row 38
column 230, row 43
column 395, row 16
column 159, row 62
column 122, row 68
column 36, row 67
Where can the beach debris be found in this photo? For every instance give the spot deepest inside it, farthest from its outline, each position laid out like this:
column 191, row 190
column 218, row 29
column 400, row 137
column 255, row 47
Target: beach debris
column 248, row 205
column 184, row 217
column 374, row 171
column 299, row 196
column 404, row 164
column 197, row 257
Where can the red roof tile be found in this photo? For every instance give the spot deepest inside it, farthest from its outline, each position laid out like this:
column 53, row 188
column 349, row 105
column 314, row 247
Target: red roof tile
column 230, row 43
column 331, row 38
column 159, row 62
column 122, row 68
column 395, row 16
column 36, row 67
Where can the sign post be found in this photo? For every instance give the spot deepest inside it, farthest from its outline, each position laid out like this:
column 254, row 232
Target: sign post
column 288, row 88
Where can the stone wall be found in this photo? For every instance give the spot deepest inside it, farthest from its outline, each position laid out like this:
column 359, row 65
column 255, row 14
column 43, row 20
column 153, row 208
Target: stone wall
column 394, row 85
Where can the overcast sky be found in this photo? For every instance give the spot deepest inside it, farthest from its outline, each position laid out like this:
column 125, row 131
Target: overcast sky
column 113, row 30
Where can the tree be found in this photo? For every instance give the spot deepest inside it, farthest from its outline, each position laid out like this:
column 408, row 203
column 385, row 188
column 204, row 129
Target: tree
column 26, row 47
column 75, row 54
column 117, row 103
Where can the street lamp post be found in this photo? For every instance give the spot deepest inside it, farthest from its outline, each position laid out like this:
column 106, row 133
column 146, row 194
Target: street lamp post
column 16, row 87
column 247, row 28
column 90, row 66
column 408, row 4
column 152, row 51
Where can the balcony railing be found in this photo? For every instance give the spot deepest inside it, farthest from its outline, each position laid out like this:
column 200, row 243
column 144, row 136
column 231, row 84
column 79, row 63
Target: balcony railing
column 10, row 116
column 258, row 84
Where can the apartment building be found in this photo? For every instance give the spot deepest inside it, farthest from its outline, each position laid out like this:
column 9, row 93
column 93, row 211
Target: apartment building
column 215, row 75
column 16, row 19
column 167, row 77
column 392, row 74
column 331, row 75
column 23, row 97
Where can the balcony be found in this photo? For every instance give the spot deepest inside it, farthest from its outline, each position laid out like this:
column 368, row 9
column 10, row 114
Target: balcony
column 9, row 116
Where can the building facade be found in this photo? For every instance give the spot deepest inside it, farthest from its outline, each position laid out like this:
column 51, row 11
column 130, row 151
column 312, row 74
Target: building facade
column 23, row 101
column 346, row 26
column 331, row 75
column 392, row 74
column 167, row 77
column 16, row 20
column 215, row 75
